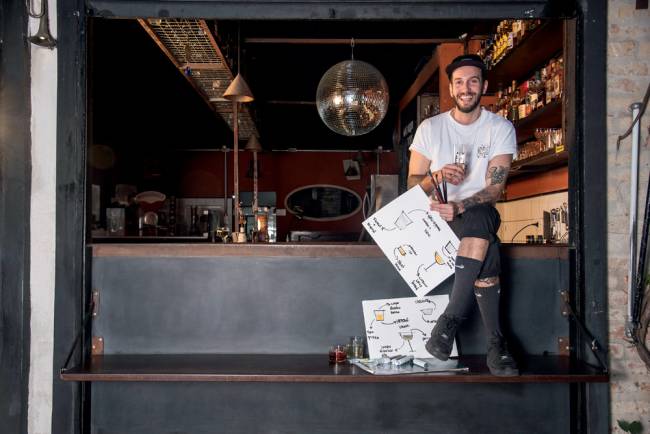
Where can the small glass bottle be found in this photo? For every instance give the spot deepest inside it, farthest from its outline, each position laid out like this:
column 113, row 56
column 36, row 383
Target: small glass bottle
column 262, row 225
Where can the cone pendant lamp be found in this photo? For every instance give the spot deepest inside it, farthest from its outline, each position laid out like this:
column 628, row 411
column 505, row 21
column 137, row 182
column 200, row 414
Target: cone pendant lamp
column 238, row 90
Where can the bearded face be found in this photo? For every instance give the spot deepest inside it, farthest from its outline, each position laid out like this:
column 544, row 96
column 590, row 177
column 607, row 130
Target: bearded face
column 466, row 88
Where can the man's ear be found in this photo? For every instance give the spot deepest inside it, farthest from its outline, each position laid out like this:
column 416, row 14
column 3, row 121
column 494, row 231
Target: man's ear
column 485, row 87
column 451, row 90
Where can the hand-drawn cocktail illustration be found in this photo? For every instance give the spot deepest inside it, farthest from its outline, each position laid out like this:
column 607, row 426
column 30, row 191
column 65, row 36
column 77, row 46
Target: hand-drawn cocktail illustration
column 401, row 326
column 418, row 242
column 408, row 337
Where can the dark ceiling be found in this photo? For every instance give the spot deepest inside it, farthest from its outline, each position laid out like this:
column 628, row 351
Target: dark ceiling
column 138, row 98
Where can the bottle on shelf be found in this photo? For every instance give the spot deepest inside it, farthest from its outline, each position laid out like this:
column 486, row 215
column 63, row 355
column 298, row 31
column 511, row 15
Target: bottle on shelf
column 558, row 80
column 549, row 83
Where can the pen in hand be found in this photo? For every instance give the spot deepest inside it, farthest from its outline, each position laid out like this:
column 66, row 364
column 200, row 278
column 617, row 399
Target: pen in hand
column 436, row 188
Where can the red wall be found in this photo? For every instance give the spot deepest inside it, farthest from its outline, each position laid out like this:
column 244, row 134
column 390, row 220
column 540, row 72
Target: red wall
column 200, row 174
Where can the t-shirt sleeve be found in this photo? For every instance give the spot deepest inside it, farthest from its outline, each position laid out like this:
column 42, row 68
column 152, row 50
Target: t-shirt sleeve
column 505, row 140
column 422, row 140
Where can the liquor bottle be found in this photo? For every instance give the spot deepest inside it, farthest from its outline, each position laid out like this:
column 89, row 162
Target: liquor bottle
column 549, row 82
column 523, row 28
column 558, row 79
column 529, row 105
column 512, row 36
column 522, row 108
column 534, row 90
column 541, row 92
column 503, row 103
column 514, row 106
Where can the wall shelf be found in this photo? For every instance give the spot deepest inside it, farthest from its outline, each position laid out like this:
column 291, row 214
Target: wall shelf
column 549, row 116
column 310, row 368
column 540, row 162
column 540, row 45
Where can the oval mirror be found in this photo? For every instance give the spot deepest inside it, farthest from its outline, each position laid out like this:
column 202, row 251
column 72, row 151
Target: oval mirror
column 323, row 202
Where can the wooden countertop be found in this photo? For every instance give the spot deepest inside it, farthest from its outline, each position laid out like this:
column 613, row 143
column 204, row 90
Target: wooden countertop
column 311, row 368
column 309, row 250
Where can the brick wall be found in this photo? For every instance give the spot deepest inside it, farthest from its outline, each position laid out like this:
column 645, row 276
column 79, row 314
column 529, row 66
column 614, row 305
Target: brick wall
column 628, row 75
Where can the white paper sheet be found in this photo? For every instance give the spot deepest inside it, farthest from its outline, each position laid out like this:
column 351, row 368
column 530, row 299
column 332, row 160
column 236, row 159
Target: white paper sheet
column 401, row 326
column 418, row 242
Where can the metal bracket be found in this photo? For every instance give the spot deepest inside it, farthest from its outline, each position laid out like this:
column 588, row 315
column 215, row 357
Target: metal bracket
column 564, row 346
column 77, row 338
column 95, row 302
column 594, row 345
column 97, row 346
column 564, row 309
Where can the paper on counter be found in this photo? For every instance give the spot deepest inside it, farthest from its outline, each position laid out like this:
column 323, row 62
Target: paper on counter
column 435, row 366
column 401, row 326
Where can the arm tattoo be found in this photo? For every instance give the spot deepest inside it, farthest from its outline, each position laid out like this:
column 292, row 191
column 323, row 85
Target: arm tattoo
column 490, row 194
column 486, row 195
column 497, row 174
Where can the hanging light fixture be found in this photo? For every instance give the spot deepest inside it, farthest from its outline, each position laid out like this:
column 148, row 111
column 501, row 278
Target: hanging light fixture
column 352, row 97
column 237, row 92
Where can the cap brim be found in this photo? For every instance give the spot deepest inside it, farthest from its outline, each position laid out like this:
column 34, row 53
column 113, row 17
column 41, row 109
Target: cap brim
column 454, row 66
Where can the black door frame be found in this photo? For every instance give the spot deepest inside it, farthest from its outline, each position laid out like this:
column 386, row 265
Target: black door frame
column 587, row 169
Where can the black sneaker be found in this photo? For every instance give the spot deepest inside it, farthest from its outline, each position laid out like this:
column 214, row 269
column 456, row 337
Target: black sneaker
column 499, row 360
column 442, row 337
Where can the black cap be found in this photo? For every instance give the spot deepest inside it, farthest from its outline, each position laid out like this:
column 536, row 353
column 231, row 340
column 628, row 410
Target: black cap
column 467, row 60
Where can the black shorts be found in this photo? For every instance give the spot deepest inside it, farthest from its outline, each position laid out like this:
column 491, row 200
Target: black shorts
column 481, row 221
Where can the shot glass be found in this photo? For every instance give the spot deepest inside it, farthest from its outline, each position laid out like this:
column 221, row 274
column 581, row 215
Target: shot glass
column 338, row 353
column 356, row 347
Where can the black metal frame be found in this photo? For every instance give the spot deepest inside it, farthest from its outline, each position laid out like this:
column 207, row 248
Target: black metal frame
column 587, row 169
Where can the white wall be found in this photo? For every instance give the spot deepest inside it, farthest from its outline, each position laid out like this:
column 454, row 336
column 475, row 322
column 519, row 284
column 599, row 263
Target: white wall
column 43, row 229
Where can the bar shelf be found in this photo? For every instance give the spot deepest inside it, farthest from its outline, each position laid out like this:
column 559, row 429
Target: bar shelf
column 540, row 45
column 540, row 162
column 549, row 116
column 311, row 368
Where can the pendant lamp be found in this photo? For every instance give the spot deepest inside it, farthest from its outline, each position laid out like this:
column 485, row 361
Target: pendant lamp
column 237, row 92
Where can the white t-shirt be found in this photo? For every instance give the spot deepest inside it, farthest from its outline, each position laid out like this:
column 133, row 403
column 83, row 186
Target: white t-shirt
column 438, row 138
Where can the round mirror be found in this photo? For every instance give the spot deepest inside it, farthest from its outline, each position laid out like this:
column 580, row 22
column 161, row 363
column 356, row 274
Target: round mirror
column 323, row 202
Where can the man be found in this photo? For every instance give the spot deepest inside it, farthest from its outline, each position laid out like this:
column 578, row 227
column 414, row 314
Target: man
column 471, row 149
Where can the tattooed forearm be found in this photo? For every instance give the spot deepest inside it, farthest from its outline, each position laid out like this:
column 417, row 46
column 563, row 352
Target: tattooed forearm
column 487, row 195
column 497, row 175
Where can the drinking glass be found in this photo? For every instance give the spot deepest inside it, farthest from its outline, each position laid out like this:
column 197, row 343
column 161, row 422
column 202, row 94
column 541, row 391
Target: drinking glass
column 460, row 156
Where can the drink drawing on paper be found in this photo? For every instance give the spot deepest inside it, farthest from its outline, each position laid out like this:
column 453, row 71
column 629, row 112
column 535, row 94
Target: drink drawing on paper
column 401, row 326
column 418, row 242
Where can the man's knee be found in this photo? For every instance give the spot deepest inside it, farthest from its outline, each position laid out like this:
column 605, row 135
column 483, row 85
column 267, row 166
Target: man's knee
column 472, row 247
column 486, row 282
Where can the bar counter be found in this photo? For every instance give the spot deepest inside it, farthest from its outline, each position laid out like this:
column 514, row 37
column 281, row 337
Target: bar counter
column 308, row 250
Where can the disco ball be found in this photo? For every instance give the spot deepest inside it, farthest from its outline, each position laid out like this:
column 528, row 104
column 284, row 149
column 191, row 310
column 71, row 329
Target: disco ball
column 352, row 98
